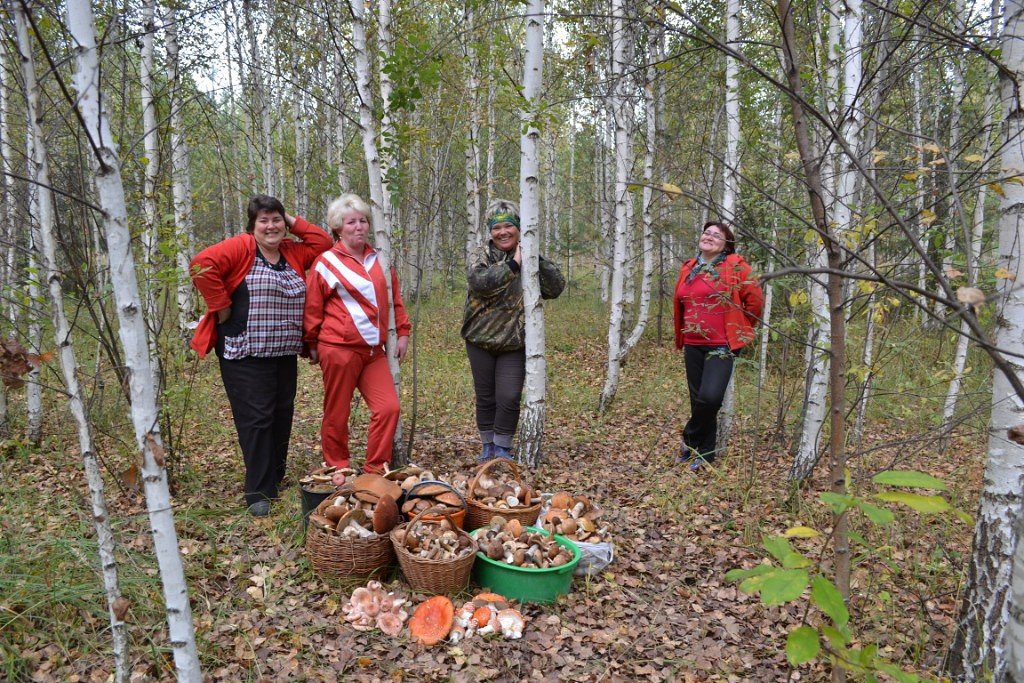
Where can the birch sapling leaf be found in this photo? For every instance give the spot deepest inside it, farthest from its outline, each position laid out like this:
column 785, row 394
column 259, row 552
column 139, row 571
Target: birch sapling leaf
column 777, row 586
column 829, row 600
column 910, row 479
column 915, row 501
column 802, row 645
column 1004, row 274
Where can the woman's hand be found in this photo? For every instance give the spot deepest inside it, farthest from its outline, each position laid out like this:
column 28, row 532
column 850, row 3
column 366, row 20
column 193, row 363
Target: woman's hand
column 518, row 256
column 403, row 346
column 314, row 356
column 289, row 220
column 223, row 315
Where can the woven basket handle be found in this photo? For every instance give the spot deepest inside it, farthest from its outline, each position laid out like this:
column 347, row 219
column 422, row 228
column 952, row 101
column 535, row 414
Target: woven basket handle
column 471, row 493
column 435, row 510
column 412, row 491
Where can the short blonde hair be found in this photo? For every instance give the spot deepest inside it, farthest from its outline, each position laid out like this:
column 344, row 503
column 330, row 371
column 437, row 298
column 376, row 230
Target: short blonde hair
column 349, row 201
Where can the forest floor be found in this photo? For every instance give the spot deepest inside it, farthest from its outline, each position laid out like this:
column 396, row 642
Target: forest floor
column 662, row 610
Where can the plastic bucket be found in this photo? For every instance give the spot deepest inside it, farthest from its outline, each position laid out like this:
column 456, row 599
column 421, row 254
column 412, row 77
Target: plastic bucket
column 526, row 584
column 310, row 499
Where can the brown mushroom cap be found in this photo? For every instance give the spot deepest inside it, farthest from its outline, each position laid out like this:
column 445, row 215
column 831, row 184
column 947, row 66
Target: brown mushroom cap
column 561, row 500
column 377, row 485
column 335, row 512
column 385, row 516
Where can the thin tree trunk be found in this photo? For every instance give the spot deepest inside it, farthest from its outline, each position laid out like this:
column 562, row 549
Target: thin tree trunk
column 840, row 526
column 150, row 142
column 181, row 181
column 474, row 236
column 623, row 162
column 132, row 331
column 33, row 386
column 261, row 102
column 730, row 184
column 531, row 427
column 116, row 605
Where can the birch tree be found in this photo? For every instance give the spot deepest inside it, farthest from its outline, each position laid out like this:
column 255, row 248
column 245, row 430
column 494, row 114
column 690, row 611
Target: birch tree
column 474, row 236
column 181, row 181
column 977, row 651
column 623, row 161
column 380, row 199
column 531, row 426
column 132, row 333
column 116, row 605
column 730, row 181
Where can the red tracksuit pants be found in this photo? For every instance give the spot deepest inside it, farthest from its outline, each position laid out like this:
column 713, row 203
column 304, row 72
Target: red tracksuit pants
column 346, row 369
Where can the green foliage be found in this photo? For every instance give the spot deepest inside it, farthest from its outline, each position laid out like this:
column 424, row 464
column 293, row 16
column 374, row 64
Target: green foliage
column 787, row 575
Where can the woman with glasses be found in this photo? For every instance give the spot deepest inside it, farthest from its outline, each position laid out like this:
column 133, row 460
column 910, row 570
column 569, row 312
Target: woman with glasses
column 494, row 327
column 717, row 304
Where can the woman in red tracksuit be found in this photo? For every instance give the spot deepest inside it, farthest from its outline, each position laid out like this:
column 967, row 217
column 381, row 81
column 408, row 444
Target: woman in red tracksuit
column 346, row 325
column 717, row 305
column 254, row 286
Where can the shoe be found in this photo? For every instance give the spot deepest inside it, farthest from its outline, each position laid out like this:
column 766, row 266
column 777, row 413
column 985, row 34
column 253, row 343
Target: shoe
column 502, row 452
column 699, row 463
column 486, row 454
column 261, row 508
column 685, row 455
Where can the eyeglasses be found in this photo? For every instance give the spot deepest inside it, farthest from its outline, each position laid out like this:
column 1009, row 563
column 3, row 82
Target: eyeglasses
column 716, row 235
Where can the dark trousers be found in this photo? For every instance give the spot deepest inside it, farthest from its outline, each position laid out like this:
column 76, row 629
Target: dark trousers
column 262, row 396
column 498, row 382
column 708, row 369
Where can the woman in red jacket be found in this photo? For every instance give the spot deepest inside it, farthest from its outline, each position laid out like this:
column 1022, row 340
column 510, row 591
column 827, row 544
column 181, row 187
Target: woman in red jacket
column 717, row 305
column 254, row 287
column 346, row 326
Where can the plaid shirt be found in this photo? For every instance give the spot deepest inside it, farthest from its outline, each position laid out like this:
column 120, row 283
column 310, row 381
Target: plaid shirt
column 274, row 324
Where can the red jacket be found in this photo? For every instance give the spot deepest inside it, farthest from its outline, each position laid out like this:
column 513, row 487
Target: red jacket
column 747, row 298
column 218, row 270
column 361, row 317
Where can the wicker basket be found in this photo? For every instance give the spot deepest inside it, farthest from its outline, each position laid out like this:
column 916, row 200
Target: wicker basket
column 459, row 517
column 434, row 576
column 478, row 514
column 334, row 556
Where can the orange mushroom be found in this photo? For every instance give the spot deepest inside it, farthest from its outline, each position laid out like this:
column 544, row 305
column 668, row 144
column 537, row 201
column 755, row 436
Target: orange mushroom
column 482, row 615
column 432, row 620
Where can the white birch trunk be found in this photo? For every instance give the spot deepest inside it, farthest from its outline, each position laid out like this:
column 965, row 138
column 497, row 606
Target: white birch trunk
column 974, row 256
column 230, row 36
column 33, row 386
column 570, row 227
column 655, row 39
column 531, row 426
column 150, row 143
column 917, row 104
column 474, row 236
column 730, row 184
column 181, row 180
column 978, row 646
column 132, row 332
column 376, row 167
column 338, row 144
column 262, row 104
column 10, row 213
column 1015, row 626
column 69, row 364
column 489, row 165
column 301, row 154
column 623, row 157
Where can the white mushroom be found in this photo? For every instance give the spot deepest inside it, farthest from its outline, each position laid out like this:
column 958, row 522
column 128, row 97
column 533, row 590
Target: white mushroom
column 511, row 623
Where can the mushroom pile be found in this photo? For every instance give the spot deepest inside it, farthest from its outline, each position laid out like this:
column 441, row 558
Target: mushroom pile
column 362, row 508
column 408, row 476
column 504, row 495
column 428, row 494
column 326, row 478
column 434, row 540
column 510, row 542
column 487, row 613
column 576, row 518
column 372, row 607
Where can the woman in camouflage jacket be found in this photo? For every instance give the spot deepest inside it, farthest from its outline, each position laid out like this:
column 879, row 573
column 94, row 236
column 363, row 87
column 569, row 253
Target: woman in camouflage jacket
column 494, row 328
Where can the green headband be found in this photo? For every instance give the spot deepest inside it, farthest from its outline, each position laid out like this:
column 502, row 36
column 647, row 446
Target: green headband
column 503, row 217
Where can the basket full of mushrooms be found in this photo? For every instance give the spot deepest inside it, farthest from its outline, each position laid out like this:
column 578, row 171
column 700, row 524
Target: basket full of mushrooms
column 489, row 494
column 435, row 556
column 348, row 531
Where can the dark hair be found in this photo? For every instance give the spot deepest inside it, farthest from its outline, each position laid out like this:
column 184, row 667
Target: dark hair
column 262, row 202
column 730, row 238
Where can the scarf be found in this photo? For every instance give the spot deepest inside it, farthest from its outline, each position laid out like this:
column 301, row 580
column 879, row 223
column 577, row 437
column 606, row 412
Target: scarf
column 706, row 267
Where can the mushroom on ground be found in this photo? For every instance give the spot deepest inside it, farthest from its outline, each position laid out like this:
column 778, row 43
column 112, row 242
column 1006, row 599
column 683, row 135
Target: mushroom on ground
column 511, row 622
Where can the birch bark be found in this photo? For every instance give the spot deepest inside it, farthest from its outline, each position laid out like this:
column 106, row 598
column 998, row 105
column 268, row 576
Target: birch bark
column 474, row 237
column 181, row 180
column 68, row 362
column 531, row 425
column 623, row 157
column 978, row 647
column 132, row 332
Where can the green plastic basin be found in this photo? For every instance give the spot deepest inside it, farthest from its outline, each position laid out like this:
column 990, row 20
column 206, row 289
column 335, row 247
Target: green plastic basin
column 526, row 584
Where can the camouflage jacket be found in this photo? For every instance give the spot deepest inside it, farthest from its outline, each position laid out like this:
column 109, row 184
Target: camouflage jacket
column 494, row 318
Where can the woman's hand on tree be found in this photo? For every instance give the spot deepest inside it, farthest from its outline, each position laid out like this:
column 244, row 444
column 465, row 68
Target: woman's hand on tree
column 223, row 315
column 402, row 348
